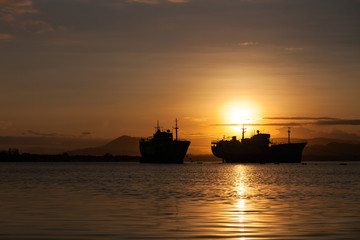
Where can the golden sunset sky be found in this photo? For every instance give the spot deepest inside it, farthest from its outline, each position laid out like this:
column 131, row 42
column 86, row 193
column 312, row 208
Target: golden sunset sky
column 102, row 69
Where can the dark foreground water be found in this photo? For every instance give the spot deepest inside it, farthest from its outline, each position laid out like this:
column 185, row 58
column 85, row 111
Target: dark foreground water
column 190, row 201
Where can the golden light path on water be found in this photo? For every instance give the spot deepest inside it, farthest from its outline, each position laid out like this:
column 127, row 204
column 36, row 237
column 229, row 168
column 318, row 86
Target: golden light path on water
column 238, row 216
column 246, row 217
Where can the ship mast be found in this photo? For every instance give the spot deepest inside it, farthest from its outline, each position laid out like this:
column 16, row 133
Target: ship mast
column 157, row 126
column 176, row 130
column 243, row 132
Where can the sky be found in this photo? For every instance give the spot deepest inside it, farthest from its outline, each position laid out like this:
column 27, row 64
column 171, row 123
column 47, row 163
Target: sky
column 102, row 69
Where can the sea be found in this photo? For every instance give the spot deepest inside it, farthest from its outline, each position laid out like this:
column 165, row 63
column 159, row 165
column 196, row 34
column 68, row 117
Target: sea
column 319, row 200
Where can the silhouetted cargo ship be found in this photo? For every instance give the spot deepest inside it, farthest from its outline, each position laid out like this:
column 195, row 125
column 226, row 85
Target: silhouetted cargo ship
column 257, row 149
column 162, row 148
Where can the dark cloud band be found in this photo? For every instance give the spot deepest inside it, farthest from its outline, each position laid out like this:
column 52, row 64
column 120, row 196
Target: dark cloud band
column 323, row 122
column 256, row 124
column 35, row 133
column 300, row 118
column 355, row 122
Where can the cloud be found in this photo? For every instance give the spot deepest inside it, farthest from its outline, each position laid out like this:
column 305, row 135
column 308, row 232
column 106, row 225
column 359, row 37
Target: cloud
column 302, row 132
column 248, row 44
column 86, row 134
column 257, row 124
column 355, row 122
column 39, row 26
column 178, row 1
column 193, row 119
column 17, row 3
column 321, row 121
column 7, row 18
column 157, row 1
column 196, row 134
column 299, row 118
column 9, row 9
column 5, row 125
column 145, row 1
column 35, row 133
column 33, row 22
column 294, row 49
column 6, row 36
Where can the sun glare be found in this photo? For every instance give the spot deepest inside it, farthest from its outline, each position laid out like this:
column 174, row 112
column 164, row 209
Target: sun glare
column 239, row 116
column 240, row 113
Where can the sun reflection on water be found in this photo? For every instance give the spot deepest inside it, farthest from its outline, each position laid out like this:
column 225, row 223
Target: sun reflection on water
column 238, row 216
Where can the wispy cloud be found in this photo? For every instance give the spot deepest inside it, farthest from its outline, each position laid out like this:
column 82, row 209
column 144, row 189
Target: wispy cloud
column 11, row 9
column 7, row 18
column 158, row 1
column 247, row 44
column 300, row 118
column 194, row 119
column 293, row 49
column 196, row 134
column 5, row 125
column 322, row 121
column 257, row 124
column 303, row 132
column 6, row 36
column 319, row 120
column 84, row 134
column 35, row 133
column 178, row 1
column 339, row 122
column 39, row 26
column 145, row 1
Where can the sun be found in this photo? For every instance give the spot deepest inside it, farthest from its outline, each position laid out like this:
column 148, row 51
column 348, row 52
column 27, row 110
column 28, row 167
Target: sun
column 240, row 113
column 241, row 117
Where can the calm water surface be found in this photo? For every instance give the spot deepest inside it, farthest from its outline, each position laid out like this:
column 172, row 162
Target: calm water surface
column 190, row 201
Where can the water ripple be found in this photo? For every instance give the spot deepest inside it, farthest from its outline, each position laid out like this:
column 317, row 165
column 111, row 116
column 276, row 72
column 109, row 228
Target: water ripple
column 190, row 201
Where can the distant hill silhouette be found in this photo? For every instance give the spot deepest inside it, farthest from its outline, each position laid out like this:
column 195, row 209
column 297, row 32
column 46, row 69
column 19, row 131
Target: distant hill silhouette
column 314, row 141
column 124, row 145
column 328, row 149
column 326, row 141
column 48, row 145
column 334, row 151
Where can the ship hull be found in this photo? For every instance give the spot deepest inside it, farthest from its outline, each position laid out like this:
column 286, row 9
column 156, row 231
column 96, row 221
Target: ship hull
column 163, row 152
column 281, row 153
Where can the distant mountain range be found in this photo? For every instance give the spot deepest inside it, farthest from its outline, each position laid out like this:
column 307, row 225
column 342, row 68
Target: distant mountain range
column 315, row 141
column 124, row 145
column 318, row 149
column 333, row 151
column 329, row 149
column 48, row 144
